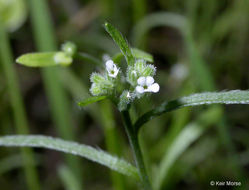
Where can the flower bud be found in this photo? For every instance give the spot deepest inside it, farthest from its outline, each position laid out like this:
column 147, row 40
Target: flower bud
column 132, row 76
column 95, row 90
column 101, row 85
column 97, row 78
column 140, row 65
column 149, row 70
column 62, row 59
column 69, row 48
column 125, row 99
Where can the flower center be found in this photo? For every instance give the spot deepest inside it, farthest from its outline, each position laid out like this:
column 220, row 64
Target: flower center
column 112, row 72
column 145, row 86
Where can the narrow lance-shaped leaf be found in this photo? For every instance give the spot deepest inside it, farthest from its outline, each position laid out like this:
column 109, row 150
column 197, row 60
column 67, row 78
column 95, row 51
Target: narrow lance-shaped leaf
column 91, row 100
column 45, row 59
column 121, row 42
column 85, row 151
column 230, row 97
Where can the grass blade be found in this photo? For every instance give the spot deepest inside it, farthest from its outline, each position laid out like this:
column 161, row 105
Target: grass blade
column 157, row 19
column 85, row 151
column 229, row 97
column 187, row 136
column 20, row 118
column 112, row 140
column 68, row 179
column 121, row 42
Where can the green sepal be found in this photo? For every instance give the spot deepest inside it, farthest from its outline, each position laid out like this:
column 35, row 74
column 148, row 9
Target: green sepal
column 97, row 78
column 125, row 99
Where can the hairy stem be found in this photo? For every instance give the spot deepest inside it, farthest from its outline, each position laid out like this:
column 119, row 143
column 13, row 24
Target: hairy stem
column 133, row 140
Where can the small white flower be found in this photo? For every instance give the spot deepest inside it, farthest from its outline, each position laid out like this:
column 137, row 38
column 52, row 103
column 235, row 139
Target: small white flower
column 146, row 84
column 128, row 95
column 111, row 68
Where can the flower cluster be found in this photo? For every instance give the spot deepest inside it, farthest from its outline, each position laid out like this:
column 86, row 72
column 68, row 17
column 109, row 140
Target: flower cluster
column 103, row 84
column 139, row 77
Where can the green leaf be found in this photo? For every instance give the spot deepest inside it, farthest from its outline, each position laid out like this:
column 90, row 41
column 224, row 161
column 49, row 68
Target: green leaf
column 85, row 151
column 230, row 97
column 44, row 59
column 187, row 136
column 91, row 100
column 139, row 54
column 121, row 42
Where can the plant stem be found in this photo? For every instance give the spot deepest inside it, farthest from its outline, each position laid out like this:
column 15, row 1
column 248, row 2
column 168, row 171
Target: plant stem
column 20, row 119
column 133, row 140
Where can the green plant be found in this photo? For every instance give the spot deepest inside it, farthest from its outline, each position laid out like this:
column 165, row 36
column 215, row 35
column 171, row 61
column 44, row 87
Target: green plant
column 123, row 88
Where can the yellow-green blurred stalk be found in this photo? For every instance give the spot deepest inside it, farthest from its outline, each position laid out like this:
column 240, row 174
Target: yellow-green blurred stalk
column 20, row 118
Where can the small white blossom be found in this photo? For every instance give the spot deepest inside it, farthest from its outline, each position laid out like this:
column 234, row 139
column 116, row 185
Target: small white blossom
column 146, row 84
column 111, row 68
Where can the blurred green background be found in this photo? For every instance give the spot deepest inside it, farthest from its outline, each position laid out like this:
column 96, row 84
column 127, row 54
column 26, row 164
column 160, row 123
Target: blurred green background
column 197, row 46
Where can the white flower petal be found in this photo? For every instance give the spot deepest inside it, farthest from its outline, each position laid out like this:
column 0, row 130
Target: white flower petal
column 154, row 88
column 115, row 68
column 149, row 80
column 141, row 81
column 113, row 75
column 140, row 89
column 109, row 65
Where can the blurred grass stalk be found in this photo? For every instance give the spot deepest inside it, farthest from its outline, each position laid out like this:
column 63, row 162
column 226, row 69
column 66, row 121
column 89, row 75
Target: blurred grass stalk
column 45, row 41
column 20, row 118
column 112, row 142
column 139, row 9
